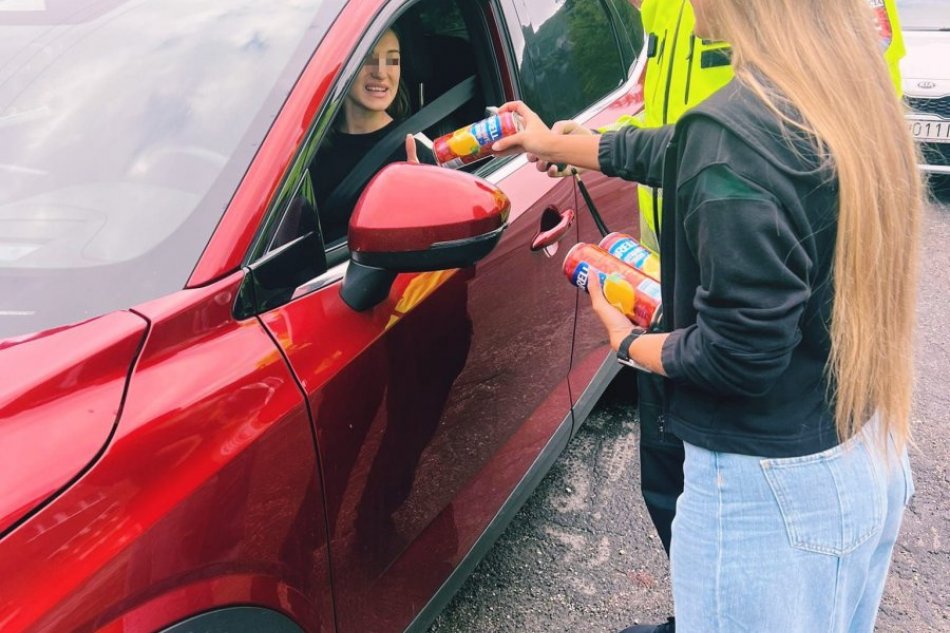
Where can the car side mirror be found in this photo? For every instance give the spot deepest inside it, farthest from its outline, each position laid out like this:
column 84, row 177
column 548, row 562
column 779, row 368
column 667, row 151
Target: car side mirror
column 417, row 218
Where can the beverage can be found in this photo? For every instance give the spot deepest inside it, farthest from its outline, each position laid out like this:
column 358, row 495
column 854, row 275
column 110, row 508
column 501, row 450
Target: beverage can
column 630, row 290
column 473, row 142
column 628, row 250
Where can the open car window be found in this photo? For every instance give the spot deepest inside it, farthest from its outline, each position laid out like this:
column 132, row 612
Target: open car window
column 444, row 43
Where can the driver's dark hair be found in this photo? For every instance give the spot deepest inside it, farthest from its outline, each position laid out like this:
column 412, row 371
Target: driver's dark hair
column 399, row 108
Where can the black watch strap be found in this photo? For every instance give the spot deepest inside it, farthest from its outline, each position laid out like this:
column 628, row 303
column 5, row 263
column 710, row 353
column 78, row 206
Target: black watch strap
column 623, row 354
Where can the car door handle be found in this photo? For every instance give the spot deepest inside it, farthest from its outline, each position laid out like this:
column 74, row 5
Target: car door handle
column 554, row 226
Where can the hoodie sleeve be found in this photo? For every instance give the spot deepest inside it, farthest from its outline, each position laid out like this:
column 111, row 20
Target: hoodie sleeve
column 635, row 153
column 753, row 286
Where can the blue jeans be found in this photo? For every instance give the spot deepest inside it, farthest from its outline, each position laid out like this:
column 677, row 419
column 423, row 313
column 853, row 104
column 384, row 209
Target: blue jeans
column 787, row 545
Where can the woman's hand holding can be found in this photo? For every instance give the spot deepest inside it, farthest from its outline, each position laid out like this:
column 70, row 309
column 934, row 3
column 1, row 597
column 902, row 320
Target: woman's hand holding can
column 618, row 325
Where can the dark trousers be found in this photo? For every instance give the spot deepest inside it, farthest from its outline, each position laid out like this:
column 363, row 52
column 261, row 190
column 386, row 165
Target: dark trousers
column 661, row 458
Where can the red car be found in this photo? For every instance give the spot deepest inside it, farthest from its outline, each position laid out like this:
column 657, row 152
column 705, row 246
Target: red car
column 210, row 418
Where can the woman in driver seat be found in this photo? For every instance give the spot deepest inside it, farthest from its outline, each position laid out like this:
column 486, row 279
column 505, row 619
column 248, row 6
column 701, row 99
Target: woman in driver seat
column 375, row 104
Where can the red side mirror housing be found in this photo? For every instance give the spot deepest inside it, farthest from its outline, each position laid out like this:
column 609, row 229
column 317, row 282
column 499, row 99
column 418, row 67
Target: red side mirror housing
column 415, row 218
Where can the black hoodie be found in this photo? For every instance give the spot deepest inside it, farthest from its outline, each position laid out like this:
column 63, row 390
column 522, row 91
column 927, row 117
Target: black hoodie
column 747, row 244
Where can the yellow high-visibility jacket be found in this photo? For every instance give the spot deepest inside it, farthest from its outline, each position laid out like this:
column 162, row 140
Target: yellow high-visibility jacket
column 683, row 70
column 892, row 37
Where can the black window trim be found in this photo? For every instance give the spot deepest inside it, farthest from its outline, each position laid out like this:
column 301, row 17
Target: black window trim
column 615, row 28
column 618, row 25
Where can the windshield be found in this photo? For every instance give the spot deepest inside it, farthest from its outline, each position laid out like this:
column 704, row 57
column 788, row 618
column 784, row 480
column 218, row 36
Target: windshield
column 924, row 15
column 125, row 127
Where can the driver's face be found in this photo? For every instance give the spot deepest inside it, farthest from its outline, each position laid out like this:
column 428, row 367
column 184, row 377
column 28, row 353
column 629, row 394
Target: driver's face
column 378, row 79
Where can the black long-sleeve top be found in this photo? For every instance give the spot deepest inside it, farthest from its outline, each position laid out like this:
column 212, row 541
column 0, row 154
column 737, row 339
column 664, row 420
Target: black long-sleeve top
column 747, row 242
column 336, row 160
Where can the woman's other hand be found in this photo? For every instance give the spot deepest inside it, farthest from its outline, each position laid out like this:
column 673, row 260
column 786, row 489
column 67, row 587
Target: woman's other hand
column 555, row 170
column 647, row 350
column 616, row 322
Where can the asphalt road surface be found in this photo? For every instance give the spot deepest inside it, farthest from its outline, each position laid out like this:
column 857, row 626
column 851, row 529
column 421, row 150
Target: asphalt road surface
column 581, row 556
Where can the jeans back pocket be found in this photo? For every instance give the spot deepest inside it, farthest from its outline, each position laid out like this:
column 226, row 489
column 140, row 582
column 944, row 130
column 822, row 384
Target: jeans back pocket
column 831, row 502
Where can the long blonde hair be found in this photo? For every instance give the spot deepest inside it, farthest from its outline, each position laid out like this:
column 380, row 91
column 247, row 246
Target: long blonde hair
column 823, row 57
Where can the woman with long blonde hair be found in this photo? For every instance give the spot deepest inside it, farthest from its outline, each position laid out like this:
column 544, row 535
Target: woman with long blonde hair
column 789, row 256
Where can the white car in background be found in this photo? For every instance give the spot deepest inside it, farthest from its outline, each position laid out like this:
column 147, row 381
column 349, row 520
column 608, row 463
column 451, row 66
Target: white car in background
column 926, row 77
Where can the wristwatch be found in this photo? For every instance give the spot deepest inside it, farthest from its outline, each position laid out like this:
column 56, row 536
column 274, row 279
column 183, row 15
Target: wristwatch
column 623, row 353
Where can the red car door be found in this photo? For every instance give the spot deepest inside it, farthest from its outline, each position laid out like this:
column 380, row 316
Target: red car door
column 431, row 407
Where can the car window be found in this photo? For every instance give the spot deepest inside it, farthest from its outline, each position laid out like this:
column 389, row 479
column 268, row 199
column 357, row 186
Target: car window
column 439, row 42
column 571, row 56
column 125, row 128
column 434, row 53
column 924, row 15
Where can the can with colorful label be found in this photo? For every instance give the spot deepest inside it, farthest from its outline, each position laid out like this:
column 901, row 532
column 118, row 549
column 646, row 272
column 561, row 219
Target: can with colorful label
column 473, row 142
column 628, row 250
column 631, row 291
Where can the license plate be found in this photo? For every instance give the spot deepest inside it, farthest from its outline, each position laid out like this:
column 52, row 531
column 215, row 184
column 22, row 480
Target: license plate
column 932, row 131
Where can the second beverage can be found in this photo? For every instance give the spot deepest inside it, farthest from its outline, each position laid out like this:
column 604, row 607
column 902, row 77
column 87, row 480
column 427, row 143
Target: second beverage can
column 631, row 291
column 628, row 250
column 473, row 142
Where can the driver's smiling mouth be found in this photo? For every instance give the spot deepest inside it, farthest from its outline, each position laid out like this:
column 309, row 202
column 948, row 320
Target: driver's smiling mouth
column 376, row 89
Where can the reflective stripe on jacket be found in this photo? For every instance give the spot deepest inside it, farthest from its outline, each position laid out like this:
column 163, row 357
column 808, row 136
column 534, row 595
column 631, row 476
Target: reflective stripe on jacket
column 682, row 69
column 892, row 37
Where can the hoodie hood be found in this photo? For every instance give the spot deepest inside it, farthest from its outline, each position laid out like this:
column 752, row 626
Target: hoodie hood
column 741, row 111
